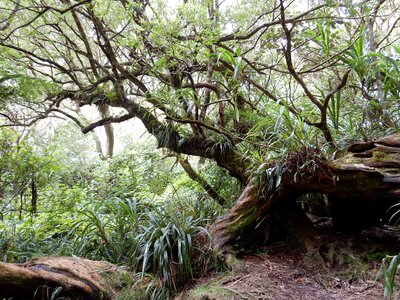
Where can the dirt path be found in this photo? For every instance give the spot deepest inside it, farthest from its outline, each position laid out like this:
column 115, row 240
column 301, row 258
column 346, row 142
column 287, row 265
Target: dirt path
column 343, row 267
column 274, row 277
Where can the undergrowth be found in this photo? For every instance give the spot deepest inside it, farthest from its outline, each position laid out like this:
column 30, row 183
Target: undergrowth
column 131, row 211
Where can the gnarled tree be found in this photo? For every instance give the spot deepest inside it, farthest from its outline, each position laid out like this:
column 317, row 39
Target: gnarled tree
column 243, row 83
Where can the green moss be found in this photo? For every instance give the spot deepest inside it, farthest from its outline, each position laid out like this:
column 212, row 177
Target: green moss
column 212, row 290
column 384, row 156
column 131, row 294
column 379, row 155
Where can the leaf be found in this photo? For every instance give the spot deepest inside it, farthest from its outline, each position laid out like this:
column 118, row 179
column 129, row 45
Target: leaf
column 145, row 258
column 237, row 112
column 237, row 67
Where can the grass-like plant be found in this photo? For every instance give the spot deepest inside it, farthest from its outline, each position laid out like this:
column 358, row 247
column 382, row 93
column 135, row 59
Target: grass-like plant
column 165, row 245
column 387, row 274
column 149, row 236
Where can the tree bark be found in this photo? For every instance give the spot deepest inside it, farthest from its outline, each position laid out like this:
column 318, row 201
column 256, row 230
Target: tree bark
column 109, row 130
column 79, row 278
column 368, row 175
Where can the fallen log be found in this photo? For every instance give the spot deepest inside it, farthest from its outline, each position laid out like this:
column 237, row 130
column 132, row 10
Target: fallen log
column 73, row 277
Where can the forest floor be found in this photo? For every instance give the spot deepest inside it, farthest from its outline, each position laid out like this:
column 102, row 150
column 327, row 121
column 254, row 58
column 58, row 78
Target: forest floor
column 343, row 267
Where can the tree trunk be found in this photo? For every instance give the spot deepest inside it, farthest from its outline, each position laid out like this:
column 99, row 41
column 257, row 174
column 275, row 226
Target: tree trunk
column 109, row 130
column 78, row 278
column 184, row 162
column 363, row 182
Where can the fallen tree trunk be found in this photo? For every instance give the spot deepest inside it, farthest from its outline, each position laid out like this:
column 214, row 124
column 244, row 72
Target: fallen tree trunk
column 367, row 175
column 73, row 277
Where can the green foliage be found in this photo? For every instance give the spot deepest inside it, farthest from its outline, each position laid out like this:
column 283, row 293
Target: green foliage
column 283, row 133
column 18, row 88
column 107, row 229
column 165, row 245
column 21, row 167
column 334, row 109
column 387, row 274
column 151, row 237
column 355, row 57
column 128, row 210
column 325, row 37
column 235, row 60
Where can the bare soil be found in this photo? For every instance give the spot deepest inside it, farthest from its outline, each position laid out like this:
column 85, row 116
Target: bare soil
column 343, row 267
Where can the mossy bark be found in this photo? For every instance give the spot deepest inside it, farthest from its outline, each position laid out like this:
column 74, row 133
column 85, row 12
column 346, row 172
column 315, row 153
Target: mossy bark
column 367, row 175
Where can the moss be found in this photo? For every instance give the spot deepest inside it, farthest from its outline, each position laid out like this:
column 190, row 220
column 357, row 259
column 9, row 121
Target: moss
column 212, row 290
column 384, row 156
column 379, row 155
column 131, row 294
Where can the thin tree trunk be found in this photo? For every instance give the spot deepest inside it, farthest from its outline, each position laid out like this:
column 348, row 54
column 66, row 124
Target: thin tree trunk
column 200, row 180
column 105, row 113
column 99, row 148
column 34, row 196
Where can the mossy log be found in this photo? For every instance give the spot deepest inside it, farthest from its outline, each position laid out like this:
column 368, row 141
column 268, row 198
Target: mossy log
column 73, row 277
column 367, row 175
